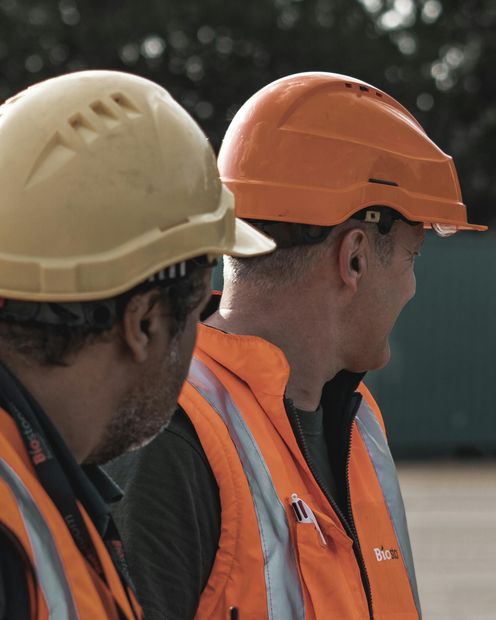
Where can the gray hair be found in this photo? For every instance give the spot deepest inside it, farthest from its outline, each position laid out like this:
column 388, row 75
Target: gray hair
column 291, row 265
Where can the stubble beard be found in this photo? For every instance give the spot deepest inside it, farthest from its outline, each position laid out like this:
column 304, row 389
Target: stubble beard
column 145, row 410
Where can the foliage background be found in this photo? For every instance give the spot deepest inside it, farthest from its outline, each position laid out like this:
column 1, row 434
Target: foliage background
column 436, row 56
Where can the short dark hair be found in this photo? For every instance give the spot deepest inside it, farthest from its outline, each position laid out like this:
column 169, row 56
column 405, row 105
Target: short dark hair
column 290, row 264
column 48, row 344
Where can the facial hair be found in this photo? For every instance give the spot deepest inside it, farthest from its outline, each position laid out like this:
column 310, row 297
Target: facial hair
column 145, row 410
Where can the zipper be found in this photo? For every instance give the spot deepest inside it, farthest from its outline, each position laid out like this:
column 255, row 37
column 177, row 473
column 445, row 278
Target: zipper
column 358, row 551
column 347, row 522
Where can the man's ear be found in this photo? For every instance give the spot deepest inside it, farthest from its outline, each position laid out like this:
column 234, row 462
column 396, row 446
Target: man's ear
column 352, row 258
column 142, row 319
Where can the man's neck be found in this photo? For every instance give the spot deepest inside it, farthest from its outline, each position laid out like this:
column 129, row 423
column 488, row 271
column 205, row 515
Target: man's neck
column 306, row 342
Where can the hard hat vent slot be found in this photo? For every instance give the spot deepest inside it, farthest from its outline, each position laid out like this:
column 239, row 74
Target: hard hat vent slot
column 83, row 128
column 363, row 88
column 54, row 156
column 383, row 182
column 129, row 108
column 105, row 114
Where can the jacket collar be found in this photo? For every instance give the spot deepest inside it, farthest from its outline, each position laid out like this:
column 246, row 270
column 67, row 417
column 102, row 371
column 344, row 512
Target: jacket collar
column 265, row 370
column 261, row 364
column 257, row 362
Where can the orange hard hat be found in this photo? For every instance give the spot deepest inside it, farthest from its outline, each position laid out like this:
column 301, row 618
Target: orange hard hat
column 316, row 148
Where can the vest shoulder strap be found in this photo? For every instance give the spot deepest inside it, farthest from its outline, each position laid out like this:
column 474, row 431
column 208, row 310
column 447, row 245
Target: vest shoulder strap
column 282, row 582
column 372, row 433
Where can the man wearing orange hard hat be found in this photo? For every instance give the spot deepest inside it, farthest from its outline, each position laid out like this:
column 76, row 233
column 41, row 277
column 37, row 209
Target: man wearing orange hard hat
column 286, row 504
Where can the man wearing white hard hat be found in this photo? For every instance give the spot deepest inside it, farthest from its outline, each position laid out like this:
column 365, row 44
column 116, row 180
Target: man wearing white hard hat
column 112, row 215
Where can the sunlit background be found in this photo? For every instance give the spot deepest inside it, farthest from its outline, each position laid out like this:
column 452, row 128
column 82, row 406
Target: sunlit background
column 436, row 57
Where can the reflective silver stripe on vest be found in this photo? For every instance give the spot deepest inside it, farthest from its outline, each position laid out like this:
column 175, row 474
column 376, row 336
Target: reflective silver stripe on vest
column 378, row 449
column 282, row 582
column 47, row 563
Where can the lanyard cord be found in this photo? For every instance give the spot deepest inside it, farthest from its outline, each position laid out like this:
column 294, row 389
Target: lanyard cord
column 26, row 413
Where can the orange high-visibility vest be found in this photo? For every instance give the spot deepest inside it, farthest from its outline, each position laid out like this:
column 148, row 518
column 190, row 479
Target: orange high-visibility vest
column 61, row 583
column 284, row 553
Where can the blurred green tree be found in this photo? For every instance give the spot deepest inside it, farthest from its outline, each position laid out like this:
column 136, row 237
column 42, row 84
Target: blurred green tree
column 436, row 57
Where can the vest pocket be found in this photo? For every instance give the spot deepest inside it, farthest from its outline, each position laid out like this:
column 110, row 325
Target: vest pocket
column 330, row 574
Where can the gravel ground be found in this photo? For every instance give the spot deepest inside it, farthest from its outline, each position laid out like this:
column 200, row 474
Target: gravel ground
column 451, row 509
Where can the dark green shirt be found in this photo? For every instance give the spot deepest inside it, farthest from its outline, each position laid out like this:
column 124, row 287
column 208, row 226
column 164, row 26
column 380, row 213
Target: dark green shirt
column 170, row 517
column 312, row 426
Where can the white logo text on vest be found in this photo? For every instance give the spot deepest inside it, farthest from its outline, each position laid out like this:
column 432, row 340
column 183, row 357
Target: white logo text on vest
column 386, row 554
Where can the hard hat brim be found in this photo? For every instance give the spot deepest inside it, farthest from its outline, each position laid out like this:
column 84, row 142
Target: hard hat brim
column 249, row 241
column 326, row 207
column 314, row 148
